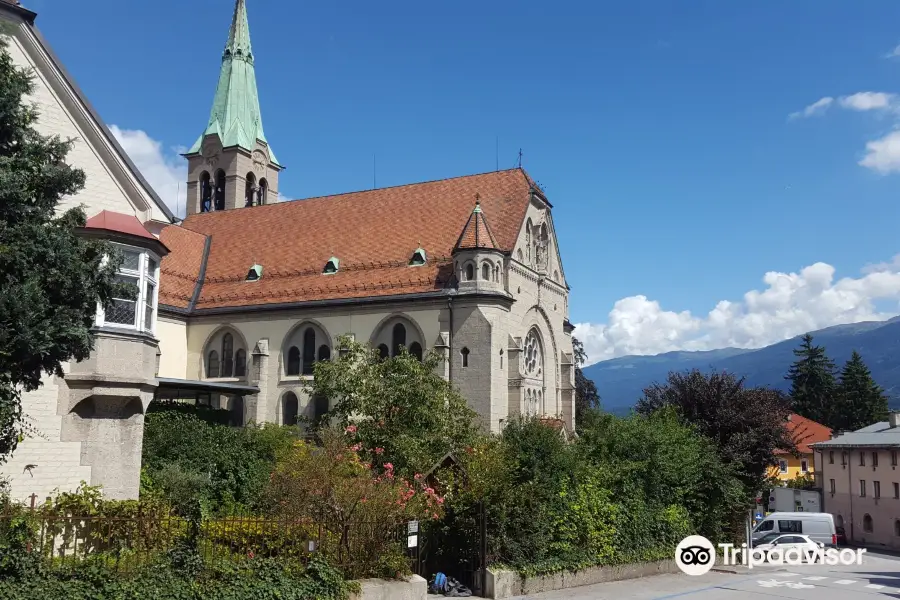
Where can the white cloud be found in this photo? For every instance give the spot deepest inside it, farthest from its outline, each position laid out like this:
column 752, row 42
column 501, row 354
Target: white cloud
column 790, row 304
column 868, row 101
column 893, row 53
column 883, row 154
column 165, row 171
column 815, row 109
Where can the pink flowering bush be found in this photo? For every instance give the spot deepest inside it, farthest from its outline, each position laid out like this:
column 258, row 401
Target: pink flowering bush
column 357, row 510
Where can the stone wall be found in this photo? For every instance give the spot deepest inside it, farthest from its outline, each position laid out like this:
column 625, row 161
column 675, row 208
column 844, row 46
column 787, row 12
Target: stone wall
column 507, row 584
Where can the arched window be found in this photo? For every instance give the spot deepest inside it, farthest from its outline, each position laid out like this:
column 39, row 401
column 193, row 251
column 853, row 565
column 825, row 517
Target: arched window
column 465, row 357
column 212, row 364
column 839, row 521
column 398, row 339
column 290, row 407
column 263, row 192
column 205, row 192
column 470, row 272
column 534, row 356
column 324, row 352
column 320, row 408
column 240, row 363
column 237, row 411
column 519, row 255
column 383, row 352
column 501, row 359
column 219, row 194
column 485, row 272
column 309, row 350
column 293, row 361
column 227, row 355
column 249, row 189
column 867, row 524
column 416, row 350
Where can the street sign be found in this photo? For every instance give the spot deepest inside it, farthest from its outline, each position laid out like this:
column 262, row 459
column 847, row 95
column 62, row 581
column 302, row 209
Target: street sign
column 412, row 527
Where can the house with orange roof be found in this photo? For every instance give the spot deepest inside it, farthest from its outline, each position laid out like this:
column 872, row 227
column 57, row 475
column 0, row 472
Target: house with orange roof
column 803, row 432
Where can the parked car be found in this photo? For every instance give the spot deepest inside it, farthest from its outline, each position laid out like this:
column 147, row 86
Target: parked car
column 783, row 541
column 817, row 526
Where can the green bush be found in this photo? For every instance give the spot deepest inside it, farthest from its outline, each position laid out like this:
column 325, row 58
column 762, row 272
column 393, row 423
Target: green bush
column 260, row 579
column 190, row 461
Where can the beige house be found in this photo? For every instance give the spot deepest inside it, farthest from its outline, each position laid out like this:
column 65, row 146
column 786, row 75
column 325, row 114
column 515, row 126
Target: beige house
column 242, row 298
column 860, row 482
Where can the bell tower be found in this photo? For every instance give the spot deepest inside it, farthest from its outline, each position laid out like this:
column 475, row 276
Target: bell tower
column 231, row 165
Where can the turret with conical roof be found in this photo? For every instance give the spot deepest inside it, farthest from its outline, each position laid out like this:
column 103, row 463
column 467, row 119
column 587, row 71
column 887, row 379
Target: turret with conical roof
column 231, row 165
column 477, row 260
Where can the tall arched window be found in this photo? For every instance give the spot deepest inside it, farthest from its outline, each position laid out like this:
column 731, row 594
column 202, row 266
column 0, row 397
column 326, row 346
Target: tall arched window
column 263, row 193
column 212, row 364
column 398, row 339
column 867, row 524
column 465, row 357
column 220, row 190
column 416, row 350
column 206, row 192
column 470, row 272
column 309, row 350
column 528, row 241
column 534, row 355
column 383, row 352
column 240, row 363
column 290, row 408
column 250, row 189
column 293, row 361
column 228, row 355
column 485, row 272
column 324, row 352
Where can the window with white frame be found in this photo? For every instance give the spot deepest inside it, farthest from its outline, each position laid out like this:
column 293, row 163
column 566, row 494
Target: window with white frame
column 782, row 466
column 804, row 466
column 140, row 272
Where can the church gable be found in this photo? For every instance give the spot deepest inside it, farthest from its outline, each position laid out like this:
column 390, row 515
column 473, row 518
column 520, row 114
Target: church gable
column 112, row 182
column 536, row 246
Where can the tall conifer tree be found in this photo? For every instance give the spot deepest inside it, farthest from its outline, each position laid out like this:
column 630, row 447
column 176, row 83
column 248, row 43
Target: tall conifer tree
column 812, row 382
column 860, row 401
column 50, row 278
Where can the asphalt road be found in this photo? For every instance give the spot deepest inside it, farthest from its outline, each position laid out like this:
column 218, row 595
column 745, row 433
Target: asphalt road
column 876, row 579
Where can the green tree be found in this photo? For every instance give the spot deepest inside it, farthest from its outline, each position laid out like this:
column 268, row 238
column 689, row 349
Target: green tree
column 860, row 401
column 50, row 278
column 401, row 410
column 812, row 382
column 586, row 396
column 746, row 424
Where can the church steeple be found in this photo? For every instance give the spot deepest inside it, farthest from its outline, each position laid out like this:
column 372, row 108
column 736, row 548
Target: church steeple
column 231, row 164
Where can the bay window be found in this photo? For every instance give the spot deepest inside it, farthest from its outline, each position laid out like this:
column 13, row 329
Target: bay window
column 140, row 272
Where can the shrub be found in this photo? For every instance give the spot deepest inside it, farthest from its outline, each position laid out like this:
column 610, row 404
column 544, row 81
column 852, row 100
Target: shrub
column 189, row 461
column 357, row 509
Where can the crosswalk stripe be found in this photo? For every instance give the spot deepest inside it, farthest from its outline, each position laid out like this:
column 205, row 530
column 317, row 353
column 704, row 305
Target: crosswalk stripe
column 874, row 586
column 845, row 581
column 815, row 578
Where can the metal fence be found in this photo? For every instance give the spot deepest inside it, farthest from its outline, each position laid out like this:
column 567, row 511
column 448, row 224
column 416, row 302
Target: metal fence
column 131, row 541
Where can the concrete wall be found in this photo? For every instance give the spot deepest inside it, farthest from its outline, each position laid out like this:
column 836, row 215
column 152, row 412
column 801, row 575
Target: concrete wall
column 507, row 584
column 172, row 334
column 414, row 588
column 850, row 508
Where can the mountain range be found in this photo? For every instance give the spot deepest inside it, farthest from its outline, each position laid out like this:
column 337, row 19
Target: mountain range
column 620, row 381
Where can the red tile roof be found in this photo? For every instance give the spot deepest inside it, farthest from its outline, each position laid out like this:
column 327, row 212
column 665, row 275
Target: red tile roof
column 805, row 432
column 181, row 268
column 108, row 220
column 373, row 233
column 476, row 233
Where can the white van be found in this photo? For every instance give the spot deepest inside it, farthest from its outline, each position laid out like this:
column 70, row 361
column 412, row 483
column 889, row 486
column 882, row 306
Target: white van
column 818, row 526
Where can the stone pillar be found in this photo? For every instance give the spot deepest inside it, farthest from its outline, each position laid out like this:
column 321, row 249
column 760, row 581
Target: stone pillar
column 260, row 408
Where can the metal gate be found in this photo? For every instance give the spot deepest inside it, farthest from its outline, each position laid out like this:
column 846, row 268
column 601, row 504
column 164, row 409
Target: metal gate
column 455, row 546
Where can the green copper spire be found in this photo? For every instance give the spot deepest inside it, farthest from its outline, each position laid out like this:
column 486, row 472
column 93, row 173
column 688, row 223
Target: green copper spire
column 235, row 115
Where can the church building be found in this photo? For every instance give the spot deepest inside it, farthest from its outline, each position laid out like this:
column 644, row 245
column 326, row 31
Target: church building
column 239, row 300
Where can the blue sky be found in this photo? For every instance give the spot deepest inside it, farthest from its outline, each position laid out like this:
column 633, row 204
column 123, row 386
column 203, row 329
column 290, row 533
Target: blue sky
column 660, row 131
